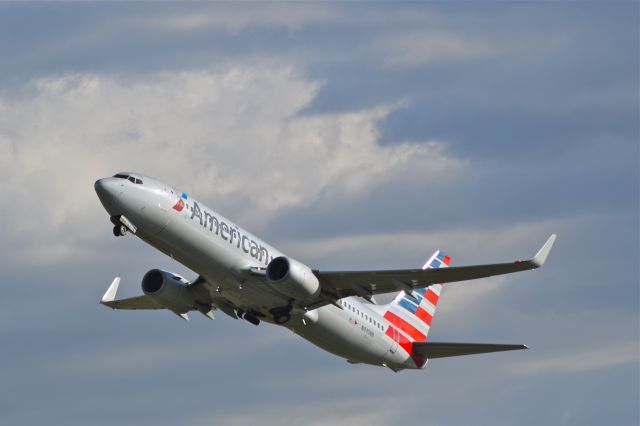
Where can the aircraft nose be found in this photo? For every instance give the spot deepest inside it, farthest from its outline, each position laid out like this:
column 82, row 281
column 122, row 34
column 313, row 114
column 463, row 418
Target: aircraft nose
column 106, row 189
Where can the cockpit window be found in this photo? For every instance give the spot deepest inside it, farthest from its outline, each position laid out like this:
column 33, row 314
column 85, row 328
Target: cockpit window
column 129, row 178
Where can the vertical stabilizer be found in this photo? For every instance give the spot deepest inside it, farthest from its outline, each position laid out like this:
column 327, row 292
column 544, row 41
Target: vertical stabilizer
column 411, row 314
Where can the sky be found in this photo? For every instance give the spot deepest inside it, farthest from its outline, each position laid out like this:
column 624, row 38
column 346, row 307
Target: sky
column 349, row 136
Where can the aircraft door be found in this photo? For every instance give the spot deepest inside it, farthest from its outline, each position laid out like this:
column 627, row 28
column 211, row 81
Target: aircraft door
column 395, row 336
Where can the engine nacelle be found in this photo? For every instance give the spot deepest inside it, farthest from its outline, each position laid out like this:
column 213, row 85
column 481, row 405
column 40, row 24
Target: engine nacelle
column 292, row 278
column 168, row 289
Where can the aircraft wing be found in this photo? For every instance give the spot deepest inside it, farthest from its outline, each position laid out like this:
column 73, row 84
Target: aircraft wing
column 367, row 283
column 431, row 350
column 138, row 302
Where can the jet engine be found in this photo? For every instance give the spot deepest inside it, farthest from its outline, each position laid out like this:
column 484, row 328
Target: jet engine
column 168, row 289
column 292, row 278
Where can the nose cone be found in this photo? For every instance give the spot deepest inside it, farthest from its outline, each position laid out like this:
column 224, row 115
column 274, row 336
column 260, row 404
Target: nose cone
column 107, row 191
column 104, row 188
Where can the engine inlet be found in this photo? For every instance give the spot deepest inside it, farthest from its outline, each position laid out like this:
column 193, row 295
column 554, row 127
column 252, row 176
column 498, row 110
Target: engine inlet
column 152, row 281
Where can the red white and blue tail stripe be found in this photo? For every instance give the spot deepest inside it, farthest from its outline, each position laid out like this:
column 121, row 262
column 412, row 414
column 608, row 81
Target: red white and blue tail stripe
column 410, row 315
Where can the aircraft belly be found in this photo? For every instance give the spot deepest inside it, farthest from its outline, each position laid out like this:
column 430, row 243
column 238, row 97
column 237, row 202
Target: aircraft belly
column 251, row 295
column 334, row 333
column 214, row 260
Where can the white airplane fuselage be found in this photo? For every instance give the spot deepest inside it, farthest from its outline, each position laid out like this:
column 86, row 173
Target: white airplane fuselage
column 223, row 253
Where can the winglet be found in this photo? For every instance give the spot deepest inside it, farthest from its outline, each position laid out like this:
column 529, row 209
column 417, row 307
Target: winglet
column 110, row 294
column 540, row 257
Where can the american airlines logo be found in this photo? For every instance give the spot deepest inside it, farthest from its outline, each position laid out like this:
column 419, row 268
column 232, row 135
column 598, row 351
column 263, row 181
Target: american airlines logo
column 228, row 232
column 179, row 205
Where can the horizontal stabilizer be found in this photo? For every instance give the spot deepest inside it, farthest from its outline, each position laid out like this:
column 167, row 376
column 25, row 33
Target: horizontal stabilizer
column 441, row 350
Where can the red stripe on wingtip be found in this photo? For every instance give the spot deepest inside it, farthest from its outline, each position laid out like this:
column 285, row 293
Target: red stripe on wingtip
column 446, row 260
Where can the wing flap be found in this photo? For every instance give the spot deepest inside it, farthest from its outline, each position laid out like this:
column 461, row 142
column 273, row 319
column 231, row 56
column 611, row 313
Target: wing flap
column 139, row 302
column 431, row 350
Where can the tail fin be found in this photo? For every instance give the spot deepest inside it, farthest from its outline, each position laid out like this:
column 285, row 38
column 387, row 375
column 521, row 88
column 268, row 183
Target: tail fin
column 412, row 313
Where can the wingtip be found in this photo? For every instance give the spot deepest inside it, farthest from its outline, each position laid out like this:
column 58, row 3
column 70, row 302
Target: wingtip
column 541, row 257
column 110, row 294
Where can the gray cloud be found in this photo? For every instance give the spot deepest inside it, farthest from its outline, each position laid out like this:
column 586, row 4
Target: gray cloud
column 420, row 48
column 229, row 18
column 589, row 358
column 516, row 122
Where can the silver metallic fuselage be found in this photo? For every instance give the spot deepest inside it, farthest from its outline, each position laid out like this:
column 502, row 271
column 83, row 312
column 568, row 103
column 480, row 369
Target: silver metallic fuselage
column 224, row 258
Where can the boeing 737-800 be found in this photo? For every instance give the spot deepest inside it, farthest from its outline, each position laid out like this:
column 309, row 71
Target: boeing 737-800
column 244, row 277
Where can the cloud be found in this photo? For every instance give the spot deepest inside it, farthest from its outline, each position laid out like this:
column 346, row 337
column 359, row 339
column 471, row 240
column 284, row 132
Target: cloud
column 596, row 356
column 346, row 411
column 235, row 19
column 234, row 135
column 420, row 48
column 148, row 357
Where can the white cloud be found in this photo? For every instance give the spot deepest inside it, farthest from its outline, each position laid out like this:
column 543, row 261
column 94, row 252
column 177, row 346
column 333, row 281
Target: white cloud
column 419, row 48
column 231, row 135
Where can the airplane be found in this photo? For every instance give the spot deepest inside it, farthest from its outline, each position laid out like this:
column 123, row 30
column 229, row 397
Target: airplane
column 244, row 277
